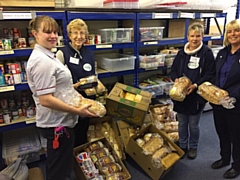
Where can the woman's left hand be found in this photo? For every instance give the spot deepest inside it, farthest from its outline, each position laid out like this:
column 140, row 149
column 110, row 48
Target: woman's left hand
column 191, row 88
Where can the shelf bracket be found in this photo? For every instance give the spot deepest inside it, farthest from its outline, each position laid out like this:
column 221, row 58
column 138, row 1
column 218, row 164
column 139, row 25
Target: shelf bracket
column 219, row 29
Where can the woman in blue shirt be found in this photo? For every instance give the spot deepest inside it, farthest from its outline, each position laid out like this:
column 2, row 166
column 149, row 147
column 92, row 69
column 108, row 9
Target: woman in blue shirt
column 227, row 121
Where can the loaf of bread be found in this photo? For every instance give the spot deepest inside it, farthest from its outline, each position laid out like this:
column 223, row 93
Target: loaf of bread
column 151, row 146
column 96, row 108
column 179, row 90
column 170, row 159
column 211, row 93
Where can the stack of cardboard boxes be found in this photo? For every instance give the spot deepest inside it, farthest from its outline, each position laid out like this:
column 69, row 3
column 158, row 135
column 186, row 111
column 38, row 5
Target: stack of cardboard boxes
column 130, row 120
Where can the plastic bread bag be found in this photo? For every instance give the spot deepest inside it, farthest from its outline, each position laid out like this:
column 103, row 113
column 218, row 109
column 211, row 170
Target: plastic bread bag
column 151, row 146
column 159, row 154
column 228, row 102
column 94, row 146
column 100, row 88
column 99, row 153
column 110, row 168
column 117, row 176
column 90, row 91
column 211, row 93
column 105, row 160
column 179, row 90
column 87, row 82
column 171, row 126
column 96, row 108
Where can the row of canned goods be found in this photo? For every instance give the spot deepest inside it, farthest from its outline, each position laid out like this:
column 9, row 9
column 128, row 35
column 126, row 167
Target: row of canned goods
column 7, row 116
column 11, row 79
column 93, row 39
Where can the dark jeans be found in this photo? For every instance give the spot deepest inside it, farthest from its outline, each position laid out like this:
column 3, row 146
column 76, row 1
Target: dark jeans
column 80, row 131
column 59, row 161
column 227, row 125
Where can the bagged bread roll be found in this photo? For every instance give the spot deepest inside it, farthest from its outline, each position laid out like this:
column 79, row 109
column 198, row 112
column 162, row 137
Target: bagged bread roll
column 211, row 93
column 96, row 108
column 179, row 90
column 151, row 146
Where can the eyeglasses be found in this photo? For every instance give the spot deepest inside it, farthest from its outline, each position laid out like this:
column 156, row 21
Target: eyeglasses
column 78, row 33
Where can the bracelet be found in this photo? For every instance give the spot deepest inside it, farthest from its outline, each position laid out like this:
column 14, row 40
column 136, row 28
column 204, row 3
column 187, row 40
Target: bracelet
column 195, row 85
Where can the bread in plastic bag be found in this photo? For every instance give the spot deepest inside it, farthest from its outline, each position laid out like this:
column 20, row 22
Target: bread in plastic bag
column 211, row 93
column 179, row 90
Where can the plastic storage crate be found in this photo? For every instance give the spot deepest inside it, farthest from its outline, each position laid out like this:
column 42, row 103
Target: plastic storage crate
column 116, row 35
column 126, row 4
column 155, row 90
column 151, row 33
column 83, row 3
column 114, row 62
column 151, row 61
column 22, row 142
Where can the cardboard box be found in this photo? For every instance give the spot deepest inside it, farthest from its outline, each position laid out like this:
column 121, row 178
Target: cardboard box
column 29, row 3
column 124, row 129
column 77, row 168
column 144, row 161
column 114, row 127
column 131, row 111
column 35, row 174
column 177, row 27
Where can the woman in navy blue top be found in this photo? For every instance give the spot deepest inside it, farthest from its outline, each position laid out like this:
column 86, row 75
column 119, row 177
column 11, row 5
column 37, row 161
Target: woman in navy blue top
column 196, row 61
column 80, row 62
column 227, row 121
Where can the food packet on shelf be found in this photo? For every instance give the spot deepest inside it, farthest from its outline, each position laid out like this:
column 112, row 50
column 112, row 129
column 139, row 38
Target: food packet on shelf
column 211, row 93
column 179, row 90
column 96, row 108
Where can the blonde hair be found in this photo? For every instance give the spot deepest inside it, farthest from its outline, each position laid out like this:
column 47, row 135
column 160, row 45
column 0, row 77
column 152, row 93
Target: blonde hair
column 77, row 24
column 196, row 27
column 49, row 24
column 234, row 24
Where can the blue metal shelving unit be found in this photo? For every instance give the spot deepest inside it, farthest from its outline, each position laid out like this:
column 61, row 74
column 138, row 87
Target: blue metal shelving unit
column 67, row 16
column 238, row 10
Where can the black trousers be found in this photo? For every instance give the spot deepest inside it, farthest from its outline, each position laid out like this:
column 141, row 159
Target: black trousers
column 59, row 161
column 227, row 125
column 80, row 131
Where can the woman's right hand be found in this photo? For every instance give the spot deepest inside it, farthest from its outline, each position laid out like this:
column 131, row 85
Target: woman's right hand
column 84, row 111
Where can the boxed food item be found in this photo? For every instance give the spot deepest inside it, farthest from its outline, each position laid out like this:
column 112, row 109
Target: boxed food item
column 106, row 127
column 151, row 33
column 98, row 159
column 157, row 154
column 116, row 35
column 127, row 130
column 114, row 62
column 21, row 143
column 128, row 103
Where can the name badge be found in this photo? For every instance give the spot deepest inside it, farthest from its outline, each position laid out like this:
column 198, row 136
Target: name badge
column 74, row 60
column 194, row 62
column 87, row 67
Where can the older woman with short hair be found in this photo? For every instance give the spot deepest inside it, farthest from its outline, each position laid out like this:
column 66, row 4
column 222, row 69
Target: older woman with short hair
column 196, row 61
column 80, row 61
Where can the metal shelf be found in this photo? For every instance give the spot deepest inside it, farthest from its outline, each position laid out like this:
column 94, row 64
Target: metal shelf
column 106, row 74
column 165, row 41
column 110, row 46
column 100, row 16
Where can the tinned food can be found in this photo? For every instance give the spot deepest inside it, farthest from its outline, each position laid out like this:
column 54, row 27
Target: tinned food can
column 98, row 39
column 7, row 45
